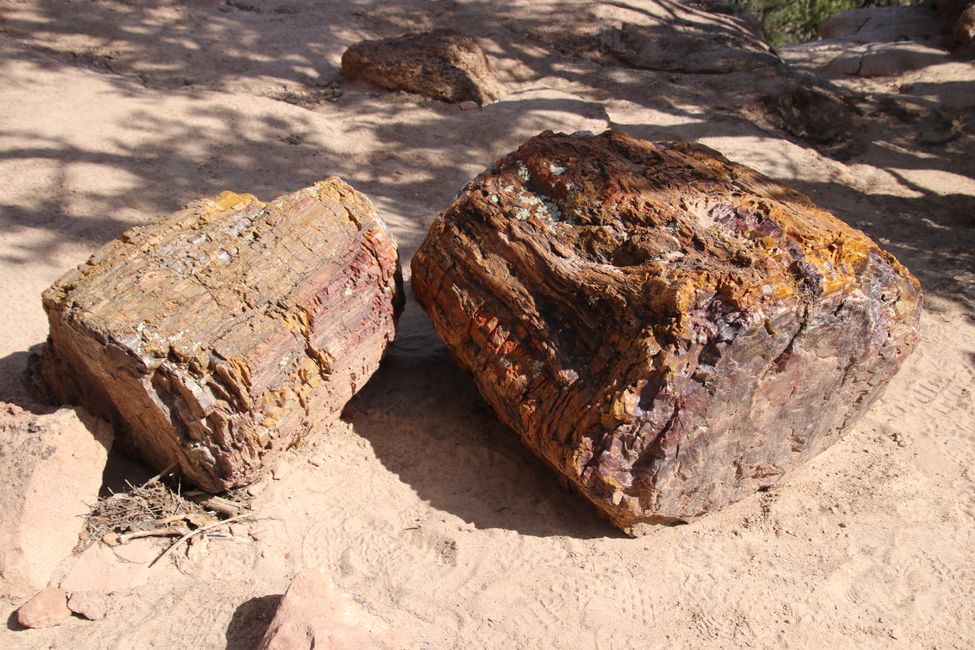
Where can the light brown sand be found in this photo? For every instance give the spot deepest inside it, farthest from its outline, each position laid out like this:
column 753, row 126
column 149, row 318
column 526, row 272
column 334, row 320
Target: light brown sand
column 113, row 114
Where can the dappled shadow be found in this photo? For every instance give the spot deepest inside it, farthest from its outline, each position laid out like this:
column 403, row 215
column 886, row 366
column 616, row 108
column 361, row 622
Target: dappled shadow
column 145, row 126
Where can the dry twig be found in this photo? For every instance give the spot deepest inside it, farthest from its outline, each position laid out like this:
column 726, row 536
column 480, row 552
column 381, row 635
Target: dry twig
column 197, row 532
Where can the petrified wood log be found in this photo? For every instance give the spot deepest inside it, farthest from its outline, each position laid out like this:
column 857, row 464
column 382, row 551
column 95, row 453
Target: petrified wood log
column 441, row 65
column 214, row 337
column 669, row 330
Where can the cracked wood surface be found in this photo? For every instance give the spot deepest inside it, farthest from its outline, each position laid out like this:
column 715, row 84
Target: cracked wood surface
column 669, row 330
column 218, row 335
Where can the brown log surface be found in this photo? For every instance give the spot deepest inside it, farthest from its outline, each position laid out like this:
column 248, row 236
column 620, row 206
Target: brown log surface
column 441, row 64
column 669, row 330
column 217, row 336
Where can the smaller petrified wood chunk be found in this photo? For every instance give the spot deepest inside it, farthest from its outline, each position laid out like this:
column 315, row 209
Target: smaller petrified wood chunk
column 669, row 330
column 217, row 336
column 441, row 64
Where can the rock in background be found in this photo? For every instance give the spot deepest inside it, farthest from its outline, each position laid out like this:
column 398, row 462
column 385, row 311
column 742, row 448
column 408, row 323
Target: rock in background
column 669, row 330
column 960, row 17
column 215, row 337
column 52, row 469
column 441, row 64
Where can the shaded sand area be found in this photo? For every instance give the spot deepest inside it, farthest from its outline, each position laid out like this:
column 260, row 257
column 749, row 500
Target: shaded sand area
column 113, row 114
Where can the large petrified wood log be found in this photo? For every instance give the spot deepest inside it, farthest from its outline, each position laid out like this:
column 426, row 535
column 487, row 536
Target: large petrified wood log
column 216, row 336
column 669, row 330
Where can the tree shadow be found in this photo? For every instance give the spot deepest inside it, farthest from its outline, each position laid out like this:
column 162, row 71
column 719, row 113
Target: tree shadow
column 576, row 63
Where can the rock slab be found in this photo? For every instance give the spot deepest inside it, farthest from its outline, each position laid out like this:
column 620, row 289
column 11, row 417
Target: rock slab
column 441, row 65
column 51, row 466
column 217, row 336
column 314, row 613
column 669, row 330
column 49, row 607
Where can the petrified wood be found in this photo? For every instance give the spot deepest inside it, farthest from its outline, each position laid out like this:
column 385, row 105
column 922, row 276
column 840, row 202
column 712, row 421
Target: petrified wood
column 216, row 336
column 669, row 330
column 440, row 64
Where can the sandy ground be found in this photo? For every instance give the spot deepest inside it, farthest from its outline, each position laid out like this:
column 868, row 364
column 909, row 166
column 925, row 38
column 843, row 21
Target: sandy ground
column 113, row 114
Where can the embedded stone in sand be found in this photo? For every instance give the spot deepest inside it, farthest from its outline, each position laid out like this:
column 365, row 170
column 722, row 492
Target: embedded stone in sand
column 669, row 330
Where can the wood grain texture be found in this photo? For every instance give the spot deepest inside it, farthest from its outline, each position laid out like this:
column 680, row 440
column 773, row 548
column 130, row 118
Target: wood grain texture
column 669, row 330
column 215, row 337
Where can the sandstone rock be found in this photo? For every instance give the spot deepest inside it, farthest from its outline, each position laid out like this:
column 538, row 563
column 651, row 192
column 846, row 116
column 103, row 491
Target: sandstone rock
column 891, row 59
column 442, row 65
column 99, row 568
column 314, row 613
column 667, row 329
column 668, row 37
column 837, row 58
column 39, row 456
column 213, row 338
column 92, row 605
column 46, row 609
column 883, row 25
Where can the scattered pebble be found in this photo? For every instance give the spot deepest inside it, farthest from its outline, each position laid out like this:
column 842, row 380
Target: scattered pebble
column 48, row 607
column 92, row 605
column 238, row 530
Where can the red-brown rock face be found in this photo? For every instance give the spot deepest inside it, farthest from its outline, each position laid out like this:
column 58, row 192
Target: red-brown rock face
column 218, row 335
column 442, row 65
column 669, row 330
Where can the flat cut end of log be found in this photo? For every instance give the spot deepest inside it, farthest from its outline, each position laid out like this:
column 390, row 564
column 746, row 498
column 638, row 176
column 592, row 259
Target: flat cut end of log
column 216, row 337
column 669, row 330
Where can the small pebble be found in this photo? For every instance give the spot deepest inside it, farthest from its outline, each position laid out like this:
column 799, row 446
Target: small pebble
column 468, row 105
column 47, row 608
column 92, row 605
column 238, row 530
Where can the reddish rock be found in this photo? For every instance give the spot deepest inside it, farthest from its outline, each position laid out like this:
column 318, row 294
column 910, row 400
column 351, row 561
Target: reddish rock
column 215, row 337
column 92, row 605
column 442, row 65
column 41, row 519
column 314, row 613
column 101, row 569
column 669, row 330
column 46, row 609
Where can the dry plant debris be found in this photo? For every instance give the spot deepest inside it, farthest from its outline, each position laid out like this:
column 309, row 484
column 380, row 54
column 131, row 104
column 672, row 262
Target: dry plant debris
column 154, row 509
